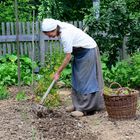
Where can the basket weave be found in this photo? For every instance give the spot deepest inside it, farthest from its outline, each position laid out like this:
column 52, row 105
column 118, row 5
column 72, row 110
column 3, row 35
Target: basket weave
column 121, row 106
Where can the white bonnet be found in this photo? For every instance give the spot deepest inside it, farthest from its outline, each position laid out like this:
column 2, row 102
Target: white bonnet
column 49, row 24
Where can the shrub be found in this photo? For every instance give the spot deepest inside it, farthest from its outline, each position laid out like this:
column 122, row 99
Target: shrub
column 8, row 70
column 125, row 72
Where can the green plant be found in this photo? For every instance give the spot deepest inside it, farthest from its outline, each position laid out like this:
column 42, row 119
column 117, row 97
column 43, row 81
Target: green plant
column 4, row 94
column 53, row 61
column 125, row 72
column 21, row 96
column 8, row 70
column 66, row 75
column 53, row 100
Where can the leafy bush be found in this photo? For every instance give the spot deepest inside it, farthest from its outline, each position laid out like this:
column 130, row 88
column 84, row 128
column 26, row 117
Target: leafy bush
column 125, row 72
column 8, row 70
column 3, row 93
column 116, row 21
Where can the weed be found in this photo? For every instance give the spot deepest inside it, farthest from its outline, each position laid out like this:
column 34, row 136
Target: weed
column 3, row 93
column 21, row 96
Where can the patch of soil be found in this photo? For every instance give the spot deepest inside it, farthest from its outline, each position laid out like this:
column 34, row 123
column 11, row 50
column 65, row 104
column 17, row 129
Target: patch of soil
column 59, row 125
column 18, row 122
column 106, row 129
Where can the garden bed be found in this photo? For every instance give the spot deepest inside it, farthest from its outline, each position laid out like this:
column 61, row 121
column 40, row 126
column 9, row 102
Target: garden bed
column 17, row 121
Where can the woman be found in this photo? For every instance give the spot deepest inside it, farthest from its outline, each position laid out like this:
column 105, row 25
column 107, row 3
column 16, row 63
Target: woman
column 87, row 82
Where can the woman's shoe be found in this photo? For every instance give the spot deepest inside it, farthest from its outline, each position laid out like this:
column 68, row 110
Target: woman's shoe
column 70, row 108
column 77, row 114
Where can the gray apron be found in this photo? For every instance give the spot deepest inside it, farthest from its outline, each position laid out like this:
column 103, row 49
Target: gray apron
column 87, row 81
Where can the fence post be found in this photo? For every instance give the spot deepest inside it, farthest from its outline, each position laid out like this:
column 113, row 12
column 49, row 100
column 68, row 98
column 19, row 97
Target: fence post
column 42, row 48
column 124, row 47
column 3, row 33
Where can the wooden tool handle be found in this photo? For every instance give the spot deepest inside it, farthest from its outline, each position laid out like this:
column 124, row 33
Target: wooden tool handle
column 47, row 92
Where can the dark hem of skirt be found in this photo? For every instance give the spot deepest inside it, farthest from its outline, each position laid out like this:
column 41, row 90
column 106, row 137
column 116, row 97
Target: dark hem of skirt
column 87, row 102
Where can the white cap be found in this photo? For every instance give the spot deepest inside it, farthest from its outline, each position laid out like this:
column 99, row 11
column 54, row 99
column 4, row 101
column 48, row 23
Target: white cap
column 49, row 24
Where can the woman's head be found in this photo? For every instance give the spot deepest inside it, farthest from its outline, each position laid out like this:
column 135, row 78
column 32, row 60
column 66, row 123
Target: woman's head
column 50, row 27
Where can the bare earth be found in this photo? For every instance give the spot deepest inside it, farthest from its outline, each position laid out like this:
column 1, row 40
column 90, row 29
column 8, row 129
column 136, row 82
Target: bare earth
column 18, row 122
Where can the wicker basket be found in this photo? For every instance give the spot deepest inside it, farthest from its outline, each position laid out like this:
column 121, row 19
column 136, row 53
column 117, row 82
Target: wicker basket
column 121, row 106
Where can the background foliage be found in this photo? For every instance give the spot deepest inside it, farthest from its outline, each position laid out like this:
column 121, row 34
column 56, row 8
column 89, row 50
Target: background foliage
column 25, row 10
column 125, row 72
column 8, row 70
column 64, row 9
column 116, row 21
column 58, row 9
column 118, row 18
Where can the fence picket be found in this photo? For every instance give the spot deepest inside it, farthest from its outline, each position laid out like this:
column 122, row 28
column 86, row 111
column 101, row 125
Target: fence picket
column 8, row 33
column 12, row 33
column 42, row 49
column 29, row 43
column 20, row 43
column 24, row 32
column 3, row 33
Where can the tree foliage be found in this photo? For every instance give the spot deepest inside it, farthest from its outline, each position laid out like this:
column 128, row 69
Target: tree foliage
column 64, row 9
column 58, row 9
column 116, row 21
column 25, row 10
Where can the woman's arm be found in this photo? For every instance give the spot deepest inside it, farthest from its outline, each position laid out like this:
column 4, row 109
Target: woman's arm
column 63, row 65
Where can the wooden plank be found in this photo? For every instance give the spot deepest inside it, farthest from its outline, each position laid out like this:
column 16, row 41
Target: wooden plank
column 8, row 33
column 12, row 33
column 81, row 25
column 12, row 38
column 37, row 50
column 50, row 53
column 42, row 49
column 21, row 48
column 20, row 29
column 24, row 43
column 29, row 43
column 124, row 48
column 3, row 33
column 37, row 27
column 20, row 44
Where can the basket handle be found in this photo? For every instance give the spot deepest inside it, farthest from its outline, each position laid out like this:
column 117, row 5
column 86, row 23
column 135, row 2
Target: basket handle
column 115, row 83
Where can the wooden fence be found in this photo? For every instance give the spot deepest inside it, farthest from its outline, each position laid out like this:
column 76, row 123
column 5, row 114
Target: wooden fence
column 42, row 44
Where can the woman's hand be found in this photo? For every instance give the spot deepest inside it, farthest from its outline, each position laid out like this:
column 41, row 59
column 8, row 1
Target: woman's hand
column 56, row 76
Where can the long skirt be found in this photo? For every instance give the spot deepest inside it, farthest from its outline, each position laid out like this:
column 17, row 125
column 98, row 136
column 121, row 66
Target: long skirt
column 87, row 81
column 87, row 102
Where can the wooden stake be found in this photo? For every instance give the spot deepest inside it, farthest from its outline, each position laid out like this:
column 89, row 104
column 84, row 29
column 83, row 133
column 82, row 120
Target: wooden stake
column 17, row 41
column 33, row 49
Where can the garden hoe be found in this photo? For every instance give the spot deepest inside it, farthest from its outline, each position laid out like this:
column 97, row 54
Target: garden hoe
column 39, row 109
